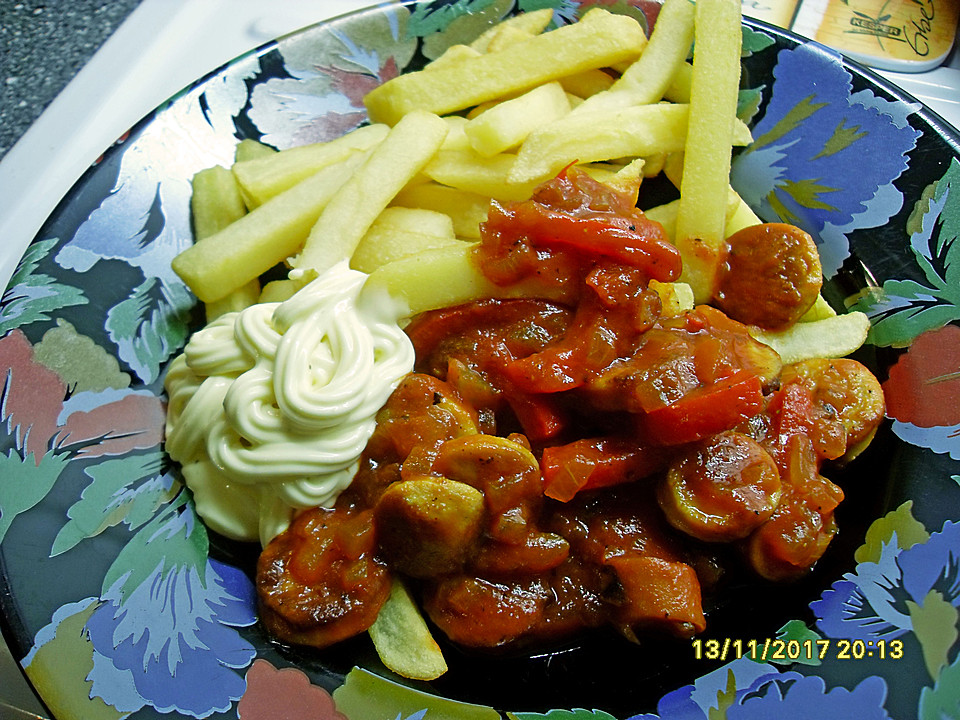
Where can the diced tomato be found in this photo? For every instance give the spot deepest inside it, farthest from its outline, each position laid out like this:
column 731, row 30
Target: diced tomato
column 705, row 411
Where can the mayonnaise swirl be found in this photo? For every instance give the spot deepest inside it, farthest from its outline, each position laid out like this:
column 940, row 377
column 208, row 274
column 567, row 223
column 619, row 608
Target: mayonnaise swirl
column 273, row 405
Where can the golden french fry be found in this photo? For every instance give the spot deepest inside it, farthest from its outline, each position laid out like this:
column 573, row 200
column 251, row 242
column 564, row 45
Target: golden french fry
column 706, row 171
column 533, row 22
column 646, row 80
column 432, row 279
column 466, row 209
column 400, row 232
column 416, row 219
column 506, row 36
column 248, row 149
column 507, row 124
column 832, row 336
column 452, row 55
column 278, row 291
column 470, row 171
column 265, row 236
column 666, row 215
column 653, row 164
column 457, row 138
column 739, row 215
column 679, row 88
column 403, row 640
column 440, row 278
column 243, row 297
column 262, row 178
column 623, row 178
column 673, row 168
column 636, row 131
column 676, row 298
column 820, row 310
column 599, row 39
column 216, row 203
column 401, row 155
column 586, row 84
column 742, row 216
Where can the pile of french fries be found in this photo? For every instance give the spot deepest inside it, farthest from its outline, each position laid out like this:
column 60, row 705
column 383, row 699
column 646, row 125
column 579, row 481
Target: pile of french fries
column 402, row 198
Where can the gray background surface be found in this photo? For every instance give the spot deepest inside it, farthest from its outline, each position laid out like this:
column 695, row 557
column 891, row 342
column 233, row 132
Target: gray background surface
column 42, row 46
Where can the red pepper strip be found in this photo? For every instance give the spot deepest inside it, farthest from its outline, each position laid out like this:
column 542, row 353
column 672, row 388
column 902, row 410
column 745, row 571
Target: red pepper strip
column 540, row 416
column 793, row 406
column 634, row 241
column 705, row 410
column 591, row 463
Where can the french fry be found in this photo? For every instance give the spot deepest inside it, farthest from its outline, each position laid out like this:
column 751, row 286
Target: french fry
column 403, row 640
column 742, row 216
column 820, row 310
column 598, row 40
column 267, row 235
column 433, row 279
column 506, row 36
column 589, row 137
column 472, row 172
column 457, row 138
column 623, row 178
column 586, row 84
column 679, row 88
column 278, row 290
column 739, row 215
column 533, row 22
column 440, row 278
column 248, row 149
column 646, row 80
column 353, row 208
column 653, row 164
column 706, row 175
column 452, row 55
column 466, row 209
column 264, row 177
column 215, row 203
column 400, row 232
column 675, row 298
column 666, row 215
column 830, row 337
column 243, row 297
column 507, row 124
column 416, row 219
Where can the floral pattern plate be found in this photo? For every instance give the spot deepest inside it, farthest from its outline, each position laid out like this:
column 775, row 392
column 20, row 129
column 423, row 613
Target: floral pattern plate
column 118, row 602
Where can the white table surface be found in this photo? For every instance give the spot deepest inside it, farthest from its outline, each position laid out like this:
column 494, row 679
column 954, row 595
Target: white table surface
column 163, row 46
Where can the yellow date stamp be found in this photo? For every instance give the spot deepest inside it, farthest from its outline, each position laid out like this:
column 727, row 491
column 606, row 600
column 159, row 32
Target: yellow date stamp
column 807, row 650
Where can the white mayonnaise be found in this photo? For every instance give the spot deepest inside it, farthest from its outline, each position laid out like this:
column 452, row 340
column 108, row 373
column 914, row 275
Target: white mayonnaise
column 271, row 407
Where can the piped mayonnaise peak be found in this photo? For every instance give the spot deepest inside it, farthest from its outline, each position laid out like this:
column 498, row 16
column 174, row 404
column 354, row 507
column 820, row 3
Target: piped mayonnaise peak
column 270, row 407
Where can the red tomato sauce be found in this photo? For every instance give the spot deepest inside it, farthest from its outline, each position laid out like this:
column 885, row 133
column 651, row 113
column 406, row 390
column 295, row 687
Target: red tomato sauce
column 556, row 466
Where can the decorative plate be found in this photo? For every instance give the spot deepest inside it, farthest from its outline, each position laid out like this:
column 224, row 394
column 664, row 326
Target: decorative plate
column 118, row 602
